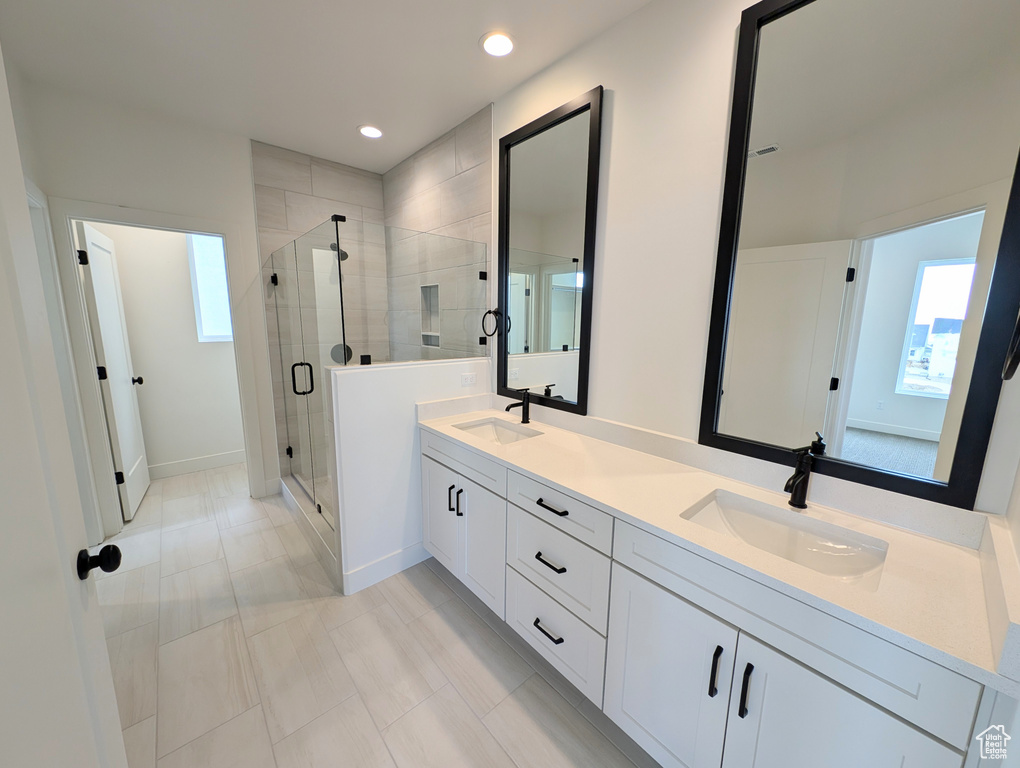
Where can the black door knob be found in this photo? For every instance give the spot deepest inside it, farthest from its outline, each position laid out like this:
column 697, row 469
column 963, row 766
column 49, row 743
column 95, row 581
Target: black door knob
column 138, row 380
column 108, row 560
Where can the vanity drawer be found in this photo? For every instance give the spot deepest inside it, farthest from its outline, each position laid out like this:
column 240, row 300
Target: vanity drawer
column 486, row 473
column 580, row 520
column 920, row 691
column 576, row 650
column 573, row 573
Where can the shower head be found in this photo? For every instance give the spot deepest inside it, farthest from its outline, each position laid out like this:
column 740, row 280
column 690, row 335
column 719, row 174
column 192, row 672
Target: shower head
column 343, row 254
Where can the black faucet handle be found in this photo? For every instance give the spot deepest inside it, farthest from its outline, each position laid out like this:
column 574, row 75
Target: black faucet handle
column 817, row 447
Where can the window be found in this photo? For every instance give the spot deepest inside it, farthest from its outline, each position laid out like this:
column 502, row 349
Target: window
column 941, row 294
column 209, row 287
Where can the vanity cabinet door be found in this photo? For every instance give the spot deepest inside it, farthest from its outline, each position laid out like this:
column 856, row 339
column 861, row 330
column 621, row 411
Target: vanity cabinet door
column 484, row 547
column 788, row 716
column 669, row 667
column 440, row 523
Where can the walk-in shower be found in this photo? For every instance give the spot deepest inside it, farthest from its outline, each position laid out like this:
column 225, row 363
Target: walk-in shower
column 356, row 293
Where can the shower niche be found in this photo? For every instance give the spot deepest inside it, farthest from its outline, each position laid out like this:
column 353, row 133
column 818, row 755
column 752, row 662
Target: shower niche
column 349, row 292
column 430, row 316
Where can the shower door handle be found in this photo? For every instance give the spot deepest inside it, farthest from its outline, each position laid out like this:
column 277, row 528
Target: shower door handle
column 293, row 379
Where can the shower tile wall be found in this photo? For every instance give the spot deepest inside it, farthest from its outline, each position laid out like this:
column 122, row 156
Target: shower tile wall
column 443, row 189
column 293, row 194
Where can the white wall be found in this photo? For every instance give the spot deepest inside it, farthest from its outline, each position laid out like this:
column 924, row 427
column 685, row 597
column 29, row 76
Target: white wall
column 159, row 167
column 378, row 470
column 189, row 404
column 536, row 369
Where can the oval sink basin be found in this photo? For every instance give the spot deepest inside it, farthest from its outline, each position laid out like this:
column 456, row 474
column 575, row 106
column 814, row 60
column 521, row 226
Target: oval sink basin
column 823, row 547
column 497, row 430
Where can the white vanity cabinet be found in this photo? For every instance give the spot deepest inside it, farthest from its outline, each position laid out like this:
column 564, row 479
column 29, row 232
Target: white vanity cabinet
column 787, row 715
column 464, row 528
column 669, row 667
column 672, row 685
column 662, row 638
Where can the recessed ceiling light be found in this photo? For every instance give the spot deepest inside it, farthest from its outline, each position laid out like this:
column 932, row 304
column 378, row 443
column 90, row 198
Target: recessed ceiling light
column 370, row 131
column 497, row 44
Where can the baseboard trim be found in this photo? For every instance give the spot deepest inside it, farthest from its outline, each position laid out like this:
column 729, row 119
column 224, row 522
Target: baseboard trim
column 894, row 429
column 373, row 573
column 197, row 464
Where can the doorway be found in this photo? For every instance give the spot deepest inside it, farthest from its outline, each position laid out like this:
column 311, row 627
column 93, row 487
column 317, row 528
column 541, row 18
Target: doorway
column 159, row 324
column 908, row 325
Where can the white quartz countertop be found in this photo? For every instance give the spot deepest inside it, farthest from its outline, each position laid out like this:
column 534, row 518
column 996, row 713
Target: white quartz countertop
column 930, row 598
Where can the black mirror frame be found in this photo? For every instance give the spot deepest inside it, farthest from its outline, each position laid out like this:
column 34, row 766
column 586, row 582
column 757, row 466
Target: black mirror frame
column 592, row 103
column 999, row 318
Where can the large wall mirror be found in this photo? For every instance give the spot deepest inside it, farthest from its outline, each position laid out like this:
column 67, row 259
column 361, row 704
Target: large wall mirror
column 548, row 189
column 868, row 274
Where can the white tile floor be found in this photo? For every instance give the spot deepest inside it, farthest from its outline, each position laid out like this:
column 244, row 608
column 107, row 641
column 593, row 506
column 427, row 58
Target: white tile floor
column 230, row 648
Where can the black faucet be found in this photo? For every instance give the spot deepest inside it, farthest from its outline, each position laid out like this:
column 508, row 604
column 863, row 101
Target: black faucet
column 797, row 485
column 524, row 405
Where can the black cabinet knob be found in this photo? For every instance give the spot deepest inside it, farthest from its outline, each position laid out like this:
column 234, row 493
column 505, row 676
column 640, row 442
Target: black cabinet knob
column 137, row 380
column 108, row 560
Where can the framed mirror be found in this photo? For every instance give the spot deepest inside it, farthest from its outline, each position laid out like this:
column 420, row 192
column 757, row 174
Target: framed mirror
column 548, row 193
column 868, row 272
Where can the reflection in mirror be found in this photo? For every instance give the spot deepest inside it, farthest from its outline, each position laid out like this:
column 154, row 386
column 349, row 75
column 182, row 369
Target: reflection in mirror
column 879, row 158
column 549, row 208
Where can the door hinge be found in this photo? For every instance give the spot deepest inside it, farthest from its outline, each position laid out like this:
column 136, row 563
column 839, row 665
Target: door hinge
column 833, row 384
column 83, row 258
column 527, row 291
column 851, row 273
column 290, row 452
column 274, row 279
column 119, row 477
column 101, row 370
column 483, row 275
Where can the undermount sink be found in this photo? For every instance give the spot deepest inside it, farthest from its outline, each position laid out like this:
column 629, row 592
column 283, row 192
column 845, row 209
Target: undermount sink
column 823, row 547
column 498, row 430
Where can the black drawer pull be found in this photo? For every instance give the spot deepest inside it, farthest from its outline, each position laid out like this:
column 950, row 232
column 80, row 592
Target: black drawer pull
column 459, row 492
column 743, row 690
column 713, row 678
column 543, row 561
column 449, row 498
column 560, row 512
column 544, row 631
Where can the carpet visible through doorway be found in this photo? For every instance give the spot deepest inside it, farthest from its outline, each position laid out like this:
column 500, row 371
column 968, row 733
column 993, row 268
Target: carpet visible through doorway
column 896, row 453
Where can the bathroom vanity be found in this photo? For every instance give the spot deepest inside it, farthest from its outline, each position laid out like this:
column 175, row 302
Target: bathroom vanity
column 709, row 621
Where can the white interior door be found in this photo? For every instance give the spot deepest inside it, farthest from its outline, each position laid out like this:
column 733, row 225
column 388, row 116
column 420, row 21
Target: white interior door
column 781, row 342
column 58, row 706
column 110, row 339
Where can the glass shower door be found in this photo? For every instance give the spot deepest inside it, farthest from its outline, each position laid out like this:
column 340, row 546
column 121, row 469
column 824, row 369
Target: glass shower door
column 293, row 369
column 318, row 277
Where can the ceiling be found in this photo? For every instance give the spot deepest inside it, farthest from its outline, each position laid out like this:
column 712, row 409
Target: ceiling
column 832, row 67
column 549, row 172
column 302, row 74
